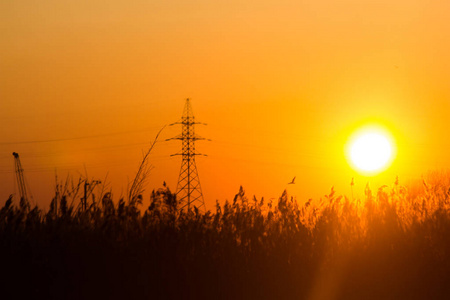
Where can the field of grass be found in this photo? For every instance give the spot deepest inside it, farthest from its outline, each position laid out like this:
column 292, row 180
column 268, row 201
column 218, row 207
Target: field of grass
column 392, row 244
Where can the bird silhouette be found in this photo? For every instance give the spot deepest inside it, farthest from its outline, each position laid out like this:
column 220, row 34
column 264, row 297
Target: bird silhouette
column 293, row 181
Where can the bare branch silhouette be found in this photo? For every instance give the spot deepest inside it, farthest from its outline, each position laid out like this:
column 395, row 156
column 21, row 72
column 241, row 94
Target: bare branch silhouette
column 137, row 187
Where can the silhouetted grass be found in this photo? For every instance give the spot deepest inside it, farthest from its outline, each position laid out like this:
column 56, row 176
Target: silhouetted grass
column 393, row 244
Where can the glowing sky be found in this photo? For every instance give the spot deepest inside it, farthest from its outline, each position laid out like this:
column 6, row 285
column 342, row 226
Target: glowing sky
column 281, row 84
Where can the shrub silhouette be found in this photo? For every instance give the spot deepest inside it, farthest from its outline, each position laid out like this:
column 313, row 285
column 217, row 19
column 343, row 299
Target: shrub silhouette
column 392, row 244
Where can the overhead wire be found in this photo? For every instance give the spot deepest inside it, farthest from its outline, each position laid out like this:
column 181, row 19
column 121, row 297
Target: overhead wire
column 76, row 138
column 72, row 167
column 283, row 151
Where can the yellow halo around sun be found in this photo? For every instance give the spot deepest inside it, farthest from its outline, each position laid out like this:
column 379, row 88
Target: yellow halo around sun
column 370, row 150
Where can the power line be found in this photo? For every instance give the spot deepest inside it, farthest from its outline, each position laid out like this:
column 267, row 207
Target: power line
column 77, row 166
column 75, row 138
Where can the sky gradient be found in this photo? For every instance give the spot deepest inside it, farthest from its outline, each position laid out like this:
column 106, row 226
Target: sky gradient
column 281, row 84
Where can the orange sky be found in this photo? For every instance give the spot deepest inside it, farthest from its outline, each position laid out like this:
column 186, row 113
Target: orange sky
column 282, row 85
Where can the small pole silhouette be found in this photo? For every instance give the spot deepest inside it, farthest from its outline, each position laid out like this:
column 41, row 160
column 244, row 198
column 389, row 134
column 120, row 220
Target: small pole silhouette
column 351, row 187
column 189, row 191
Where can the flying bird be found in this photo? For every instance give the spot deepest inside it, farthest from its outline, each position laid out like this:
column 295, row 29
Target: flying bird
column 293, row 181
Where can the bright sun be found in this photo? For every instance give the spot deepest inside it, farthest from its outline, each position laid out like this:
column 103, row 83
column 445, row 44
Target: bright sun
column 370, row 151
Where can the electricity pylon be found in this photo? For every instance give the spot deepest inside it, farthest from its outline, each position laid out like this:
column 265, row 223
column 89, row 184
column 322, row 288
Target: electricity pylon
column 20, row 178
column 189, row 191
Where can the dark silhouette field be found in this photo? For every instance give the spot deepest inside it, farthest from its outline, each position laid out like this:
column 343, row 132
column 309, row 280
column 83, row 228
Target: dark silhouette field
column 393, row 244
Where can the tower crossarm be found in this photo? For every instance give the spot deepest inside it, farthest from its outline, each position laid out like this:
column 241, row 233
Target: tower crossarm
column 191, row 138
column 192, row 154
column 187, row 123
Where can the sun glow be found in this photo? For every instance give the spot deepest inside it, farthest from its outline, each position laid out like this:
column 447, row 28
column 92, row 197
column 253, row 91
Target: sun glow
column 370, row 151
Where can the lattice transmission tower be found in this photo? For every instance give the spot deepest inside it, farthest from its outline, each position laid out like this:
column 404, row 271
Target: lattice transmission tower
column 189, row 191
